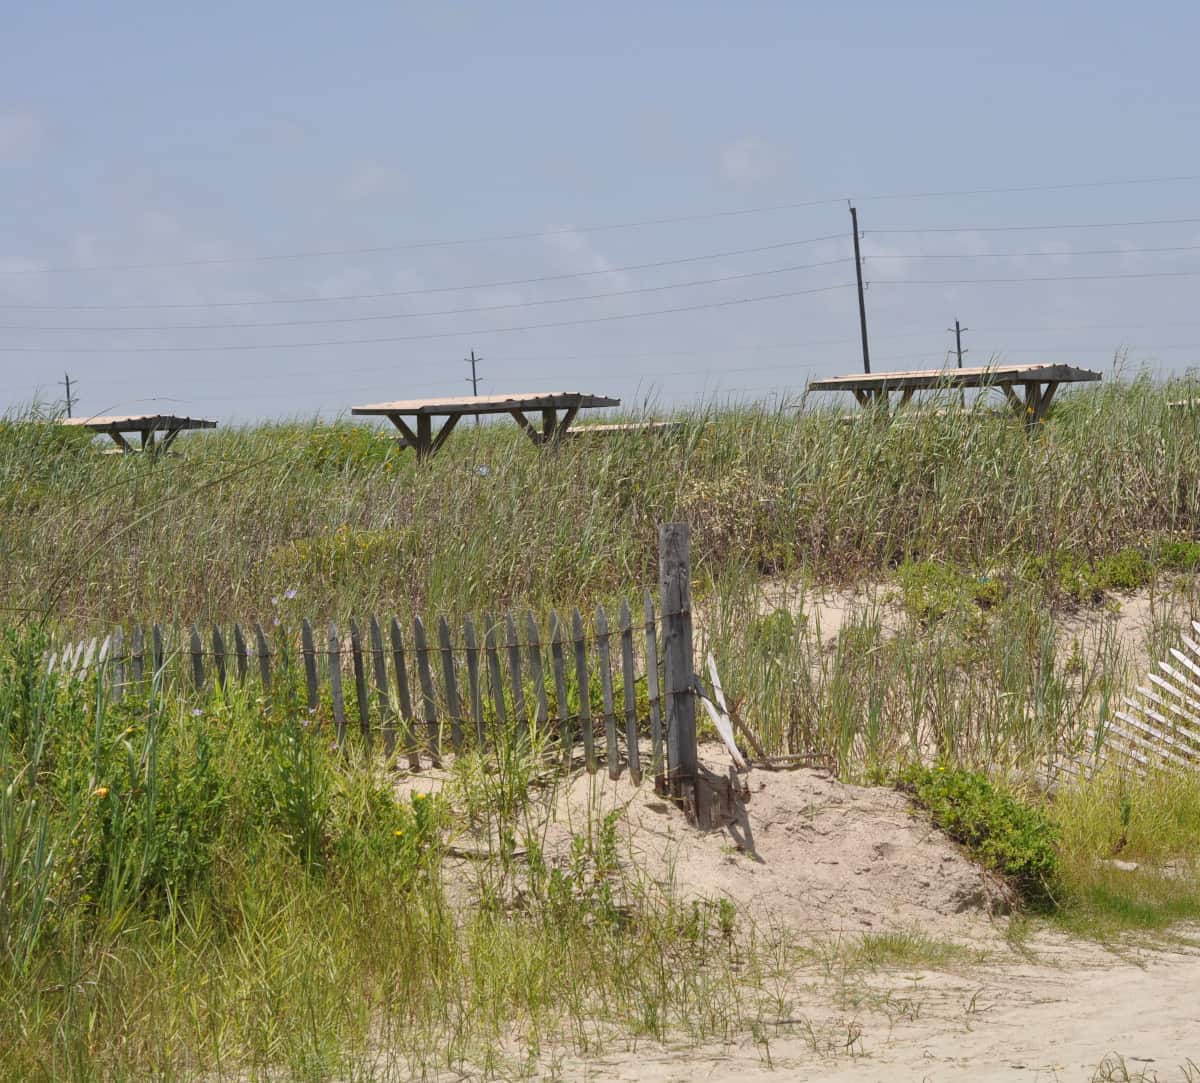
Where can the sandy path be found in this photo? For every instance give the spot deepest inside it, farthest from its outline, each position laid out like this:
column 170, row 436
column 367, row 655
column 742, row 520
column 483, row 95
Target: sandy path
column 1049, row 1021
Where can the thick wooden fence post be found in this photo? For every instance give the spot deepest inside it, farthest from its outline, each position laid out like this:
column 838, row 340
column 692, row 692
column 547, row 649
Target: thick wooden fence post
column 675, row 592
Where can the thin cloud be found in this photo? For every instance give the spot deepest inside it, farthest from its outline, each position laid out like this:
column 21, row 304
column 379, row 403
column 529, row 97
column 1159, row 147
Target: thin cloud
column 750, row 160
column 370, row 179
column 21, row 134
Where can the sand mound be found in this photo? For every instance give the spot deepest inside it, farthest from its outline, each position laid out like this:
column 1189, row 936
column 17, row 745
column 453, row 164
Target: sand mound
column 809, row 853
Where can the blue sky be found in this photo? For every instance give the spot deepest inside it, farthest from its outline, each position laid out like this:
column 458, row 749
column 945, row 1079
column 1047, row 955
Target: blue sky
column 152, row 154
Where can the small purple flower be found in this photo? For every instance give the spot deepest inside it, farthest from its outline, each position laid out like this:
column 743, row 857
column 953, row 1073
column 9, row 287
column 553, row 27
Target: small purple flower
column 289, row 595
column 274, row 599
column 196, row 712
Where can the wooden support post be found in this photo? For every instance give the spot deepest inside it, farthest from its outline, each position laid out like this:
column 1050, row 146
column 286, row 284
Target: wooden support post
column 675, row 592
column 1033, row 405
column 197, row 659
column 549, row 425
column 424, row 437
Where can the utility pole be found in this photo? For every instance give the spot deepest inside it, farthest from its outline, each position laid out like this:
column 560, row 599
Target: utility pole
column 862, row 303
column 958, row 330
column 473, row 379
column 66, row 382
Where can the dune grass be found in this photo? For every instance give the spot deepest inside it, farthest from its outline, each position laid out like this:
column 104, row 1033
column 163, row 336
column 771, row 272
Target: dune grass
column 200, row 887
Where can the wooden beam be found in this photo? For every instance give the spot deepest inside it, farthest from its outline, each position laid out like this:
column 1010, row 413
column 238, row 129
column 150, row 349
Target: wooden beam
column 120, row 441
column 445, row 431
column 410, row 437
column 567, row 420
column 906, row 395
column 1033, row 405
column 549, row 424
column 424, row 437
column 519, row 417
column 1013, row 399
column 167, row 440
column 1045, row 400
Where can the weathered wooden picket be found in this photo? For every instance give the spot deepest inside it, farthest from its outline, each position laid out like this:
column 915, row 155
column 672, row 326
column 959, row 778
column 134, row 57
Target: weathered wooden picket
column 421, row 690
column 425, row 690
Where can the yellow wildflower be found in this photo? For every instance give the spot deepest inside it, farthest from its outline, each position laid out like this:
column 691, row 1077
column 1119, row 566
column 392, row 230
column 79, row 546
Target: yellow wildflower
column 399, row 833
column 418, row 797
column 100, row 791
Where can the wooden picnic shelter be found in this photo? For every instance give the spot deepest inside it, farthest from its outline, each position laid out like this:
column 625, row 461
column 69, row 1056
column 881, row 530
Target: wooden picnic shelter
column 1038, row 382
column 147, row 427
column 414, row 417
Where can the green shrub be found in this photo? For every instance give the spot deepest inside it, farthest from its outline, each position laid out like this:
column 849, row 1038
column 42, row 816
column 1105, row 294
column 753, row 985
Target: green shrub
column 342, row 448
column 1011, row 838
column 932, row 589
column 1183, row 556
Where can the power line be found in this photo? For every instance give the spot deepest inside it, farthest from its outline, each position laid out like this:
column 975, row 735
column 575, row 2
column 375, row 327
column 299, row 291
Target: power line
column 425, row 337
column 605, row 227
column 1039, row 254
column 1029, row 278
column 432, row 289
column 1032, row 229
column 508, row 306
column 416, row 245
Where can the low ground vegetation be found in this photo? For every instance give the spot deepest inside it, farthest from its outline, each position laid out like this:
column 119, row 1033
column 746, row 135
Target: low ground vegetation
column 202, row 887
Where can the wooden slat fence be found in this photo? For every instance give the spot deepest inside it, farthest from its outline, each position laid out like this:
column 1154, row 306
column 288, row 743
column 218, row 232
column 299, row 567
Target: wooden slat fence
column 1157, row 729
column 420, row 694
